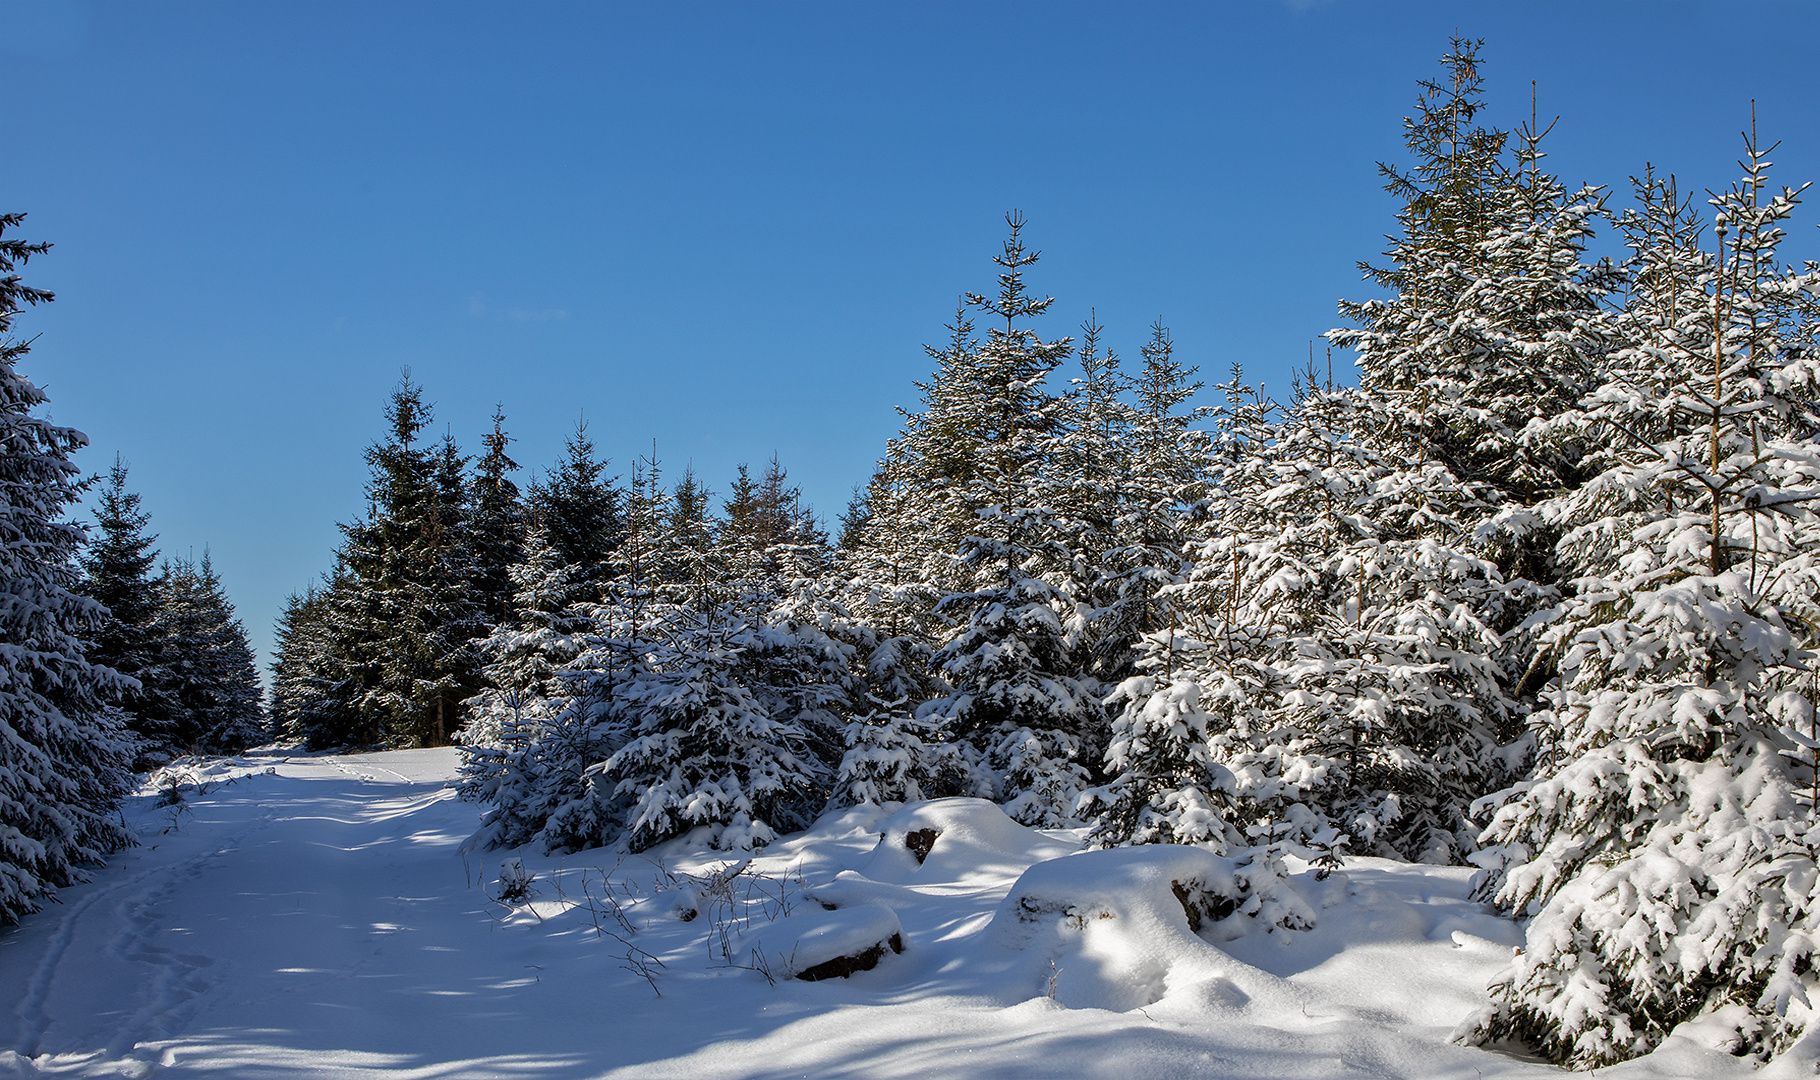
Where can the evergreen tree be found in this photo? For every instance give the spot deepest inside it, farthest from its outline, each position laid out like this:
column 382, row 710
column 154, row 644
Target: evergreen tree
column 549, row 717
column 890, row 753
column 1015, row 695
column 694, row 570
column 63, row 755
column 1665, row 850
column 579, row 508
column 562, row 577
column 116, row 572
column 312, row 687
column 495, row 528
column 410, row 615
column 202, row 671
column 925, row 496
column 1330, row 675
column 1495, row 325
column 729, row 724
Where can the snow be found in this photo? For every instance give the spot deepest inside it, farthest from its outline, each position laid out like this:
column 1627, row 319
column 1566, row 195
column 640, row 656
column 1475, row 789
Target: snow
column 799, row 945
column 311, row 916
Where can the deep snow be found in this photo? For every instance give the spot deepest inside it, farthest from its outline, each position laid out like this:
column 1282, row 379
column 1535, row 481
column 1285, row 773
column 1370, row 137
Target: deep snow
column 313, row 916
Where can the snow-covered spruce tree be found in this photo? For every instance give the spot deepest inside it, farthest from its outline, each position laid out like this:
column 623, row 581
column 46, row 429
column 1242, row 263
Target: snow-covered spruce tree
column 1665, row 851
column 549, row 784
column 1016, row 693
column 1331, row 674
column 495, row 527
column 1167, row 784
column 572, row 805
column 1154, row 473
column 536, row 730
column 764, row 537
column 1377, row 606
column 1494, row 324
column 202, row 674
column 923, row 502
column 925, row 494
column 117, row 573
column 731, row 711
column 575, row 526
column 704, row 750
column 1195, row 699
column 63, row 755
column 412, row 615
column 890, row 754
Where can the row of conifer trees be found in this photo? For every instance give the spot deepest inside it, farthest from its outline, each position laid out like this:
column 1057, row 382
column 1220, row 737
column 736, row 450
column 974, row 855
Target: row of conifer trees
column 104, row 666
column 1538, row 593
column 173, row 631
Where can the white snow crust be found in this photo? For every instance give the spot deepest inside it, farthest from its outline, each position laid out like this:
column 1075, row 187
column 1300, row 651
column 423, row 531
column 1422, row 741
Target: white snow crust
column 311, row 916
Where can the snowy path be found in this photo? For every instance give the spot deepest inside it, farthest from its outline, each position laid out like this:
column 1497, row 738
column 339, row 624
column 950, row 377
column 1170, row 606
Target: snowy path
column 318, row 921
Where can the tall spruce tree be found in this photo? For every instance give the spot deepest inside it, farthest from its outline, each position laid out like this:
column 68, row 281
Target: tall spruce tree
column 1494, row 325
column 1666, row 852
column 1016, row 695
column 117, row 573
column 495, row 527
column 410, row 615
column 63, row 755
column 312, row 685
column 575, row 527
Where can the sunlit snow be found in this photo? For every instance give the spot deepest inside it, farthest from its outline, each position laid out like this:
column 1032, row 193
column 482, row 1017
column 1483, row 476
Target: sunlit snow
column 311, row 916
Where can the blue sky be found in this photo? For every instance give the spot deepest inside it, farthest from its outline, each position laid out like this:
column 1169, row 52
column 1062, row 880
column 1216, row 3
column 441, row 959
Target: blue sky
column 731, row 228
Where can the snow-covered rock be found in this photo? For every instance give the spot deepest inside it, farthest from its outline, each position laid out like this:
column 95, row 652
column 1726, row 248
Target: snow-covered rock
column 821, row 944
column 955, row 840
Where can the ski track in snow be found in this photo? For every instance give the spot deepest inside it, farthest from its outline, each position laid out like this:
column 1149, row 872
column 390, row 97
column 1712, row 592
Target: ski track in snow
column 174, row 977
column 177, row 978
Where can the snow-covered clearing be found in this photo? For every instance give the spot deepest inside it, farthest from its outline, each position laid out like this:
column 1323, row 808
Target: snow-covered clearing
column 314, row 917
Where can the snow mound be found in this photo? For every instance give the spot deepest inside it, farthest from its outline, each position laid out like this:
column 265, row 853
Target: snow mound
column 1124, row 928
column 955, row 841
column 1154, row 884
column 822, row 944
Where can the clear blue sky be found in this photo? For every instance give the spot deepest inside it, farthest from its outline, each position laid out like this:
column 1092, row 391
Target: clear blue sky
column 731, row 228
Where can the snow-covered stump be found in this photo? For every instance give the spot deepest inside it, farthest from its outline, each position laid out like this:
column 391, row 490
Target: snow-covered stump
column 821, row 944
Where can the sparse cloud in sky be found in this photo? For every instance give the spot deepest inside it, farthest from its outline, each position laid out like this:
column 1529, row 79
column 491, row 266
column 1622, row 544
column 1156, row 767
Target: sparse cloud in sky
column 481, row 307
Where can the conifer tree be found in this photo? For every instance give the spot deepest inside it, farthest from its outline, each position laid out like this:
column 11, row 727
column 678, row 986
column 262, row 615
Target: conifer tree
column 575, row 528
column 1015, row 693
column 495, row 528
column 116, row 572
column 202, row 671
column 890, row 753
column 925, row 496
column 1494, row 325
column 1665, row 850
column 553, row 713
column 312, row 691
column 63, row 755
column 410, row 614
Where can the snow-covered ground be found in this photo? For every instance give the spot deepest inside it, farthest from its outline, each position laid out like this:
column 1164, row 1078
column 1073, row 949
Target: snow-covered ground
column 314, row 917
